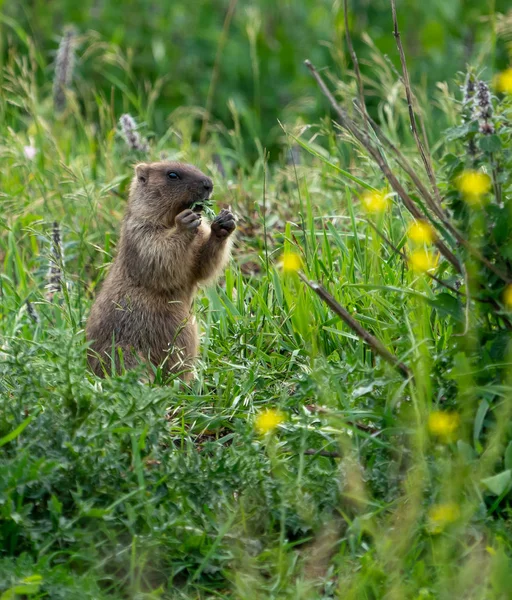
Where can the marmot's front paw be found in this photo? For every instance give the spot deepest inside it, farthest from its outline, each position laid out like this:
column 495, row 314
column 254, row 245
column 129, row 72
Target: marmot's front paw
column 224, row 224
column 188, row 220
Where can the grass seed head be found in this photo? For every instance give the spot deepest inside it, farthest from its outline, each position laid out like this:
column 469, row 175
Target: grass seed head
column 482, row 108
column 55, row 267
column 64, row 65
column 131, row 135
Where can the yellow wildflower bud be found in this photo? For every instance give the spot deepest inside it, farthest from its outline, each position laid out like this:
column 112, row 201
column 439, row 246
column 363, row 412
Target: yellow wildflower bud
column 268, row 420
column 441, row 515
column 421, row 232
column 291, row 262
column 443, row 424
column 374, row 202
column 473, row 185
column 422, row 261
column 503, row 81
column 507, row 296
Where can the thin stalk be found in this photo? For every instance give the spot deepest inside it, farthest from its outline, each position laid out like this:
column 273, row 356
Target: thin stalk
column 356, row 327
column 216, row 69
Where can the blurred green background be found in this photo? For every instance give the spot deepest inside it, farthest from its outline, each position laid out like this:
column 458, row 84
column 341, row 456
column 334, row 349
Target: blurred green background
column 247, row 55
column 111, row 489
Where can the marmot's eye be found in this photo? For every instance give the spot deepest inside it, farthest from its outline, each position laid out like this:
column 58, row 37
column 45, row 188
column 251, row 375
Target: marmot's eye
column 173, row 175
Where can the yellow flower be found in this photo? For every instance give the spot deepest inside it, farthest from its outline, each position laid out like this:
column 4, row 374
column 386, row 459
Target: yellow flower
column 473, row 185
column 268, row 420
column 443, row 424
column 291, row 262
column 507, row 296
column 374, row 202
column 422, row 261
column 503, row 81
column 441, row 515
column 421, row 232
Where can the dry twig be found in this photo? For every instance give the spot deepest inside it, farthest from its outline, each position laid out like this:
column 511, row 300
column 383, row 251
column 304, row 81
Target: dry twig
column 361, row 332
column 347, row 123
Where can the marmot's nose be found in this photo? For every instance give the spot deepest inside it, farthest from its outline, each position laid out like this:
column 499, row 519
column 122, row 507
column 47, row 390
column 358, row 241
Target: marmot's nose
column 208, row 184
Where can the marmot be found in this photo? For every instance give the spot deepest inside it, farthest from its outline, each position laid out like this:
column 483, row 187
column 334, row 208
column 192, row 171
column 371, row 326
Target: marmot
column 165, row 250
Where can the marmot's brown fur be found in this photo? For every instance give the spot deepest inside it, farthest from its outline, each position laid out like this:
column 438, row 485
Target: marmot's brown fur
column 165, row 251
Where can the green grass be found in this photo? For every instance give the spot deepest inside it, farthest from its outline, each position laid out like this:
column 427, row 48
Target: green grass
column 119, row 489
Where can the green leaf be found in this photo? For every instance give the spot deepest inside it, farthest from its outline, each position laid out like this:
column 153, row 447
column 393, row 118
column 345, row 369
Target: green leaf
column 27, row 587
column 14, row 434
column 96, row 513
column 315, row 151
column 508, row 456
column 489, row 143
column 479, row 422
column 500, row 483
column 446, row 304
column 466, row 451
column 55, row 505
column 461, row 131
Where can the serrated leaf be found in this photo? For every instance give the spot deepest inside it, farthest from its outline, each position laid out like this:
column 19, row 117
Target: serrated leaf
column 489, row 143
column 455, row 133
column 55, row 505
column 446, row 304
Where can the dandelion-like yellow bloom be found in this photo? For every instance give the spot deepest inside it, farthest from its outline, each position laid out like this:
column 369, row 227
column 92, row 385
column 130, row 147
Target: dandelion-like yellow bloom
column 507, row 296
column 291, row 262
column 443, row 424
column 422, row 261
column 503, row 82
column 473, row 185
column 374, row 202
column 268, row 420
column 421, row 232
column 441, row 515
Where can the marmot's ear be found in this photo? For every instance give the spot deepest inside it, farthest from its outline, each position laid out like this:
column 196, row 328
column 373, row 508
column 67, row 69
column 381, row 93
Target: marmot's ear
column 142, row 172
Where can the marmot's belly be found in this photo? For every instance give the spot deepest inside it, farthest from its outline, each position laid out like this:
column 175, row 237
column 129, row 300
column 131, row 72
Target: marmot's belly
column 158, row 332
column 163, row 333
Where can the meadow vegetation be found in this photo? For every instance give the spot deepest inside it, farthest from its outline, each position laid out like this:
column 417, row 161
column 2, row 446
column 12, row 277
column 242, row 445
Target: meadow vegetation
column 348, row 433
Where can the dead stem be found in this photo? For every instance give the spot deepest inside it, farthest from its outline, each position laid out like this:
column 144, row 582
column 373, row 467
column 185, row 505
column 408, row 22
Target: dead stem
column 347, row 123
column 425, row 156
column 361, row 332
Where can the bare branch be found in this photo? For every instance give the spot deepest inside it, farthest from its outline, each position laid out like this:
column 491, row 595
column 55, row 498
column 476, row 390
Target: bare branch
column 346, row 122
column 425, row 157
column 361, row 332
column 404, row 257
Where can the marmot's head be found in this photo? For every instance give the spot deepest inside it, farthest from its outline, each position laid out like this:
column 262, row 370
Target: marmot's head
column 161, row 190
